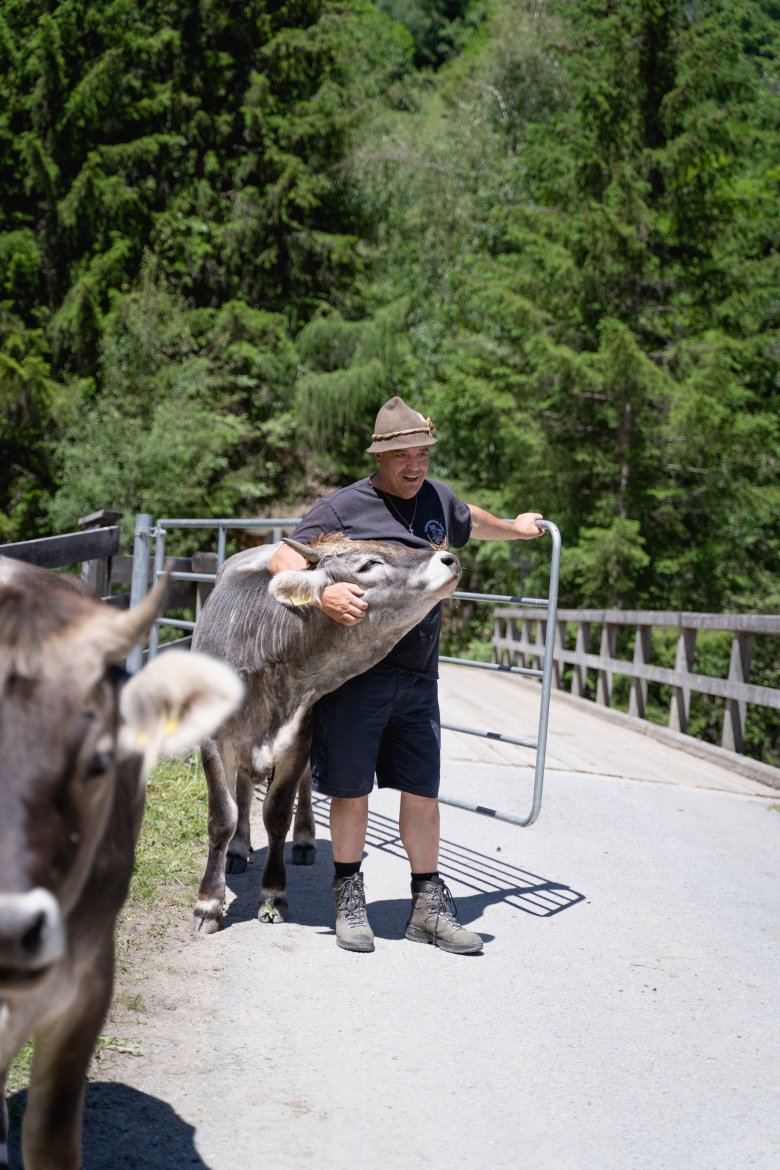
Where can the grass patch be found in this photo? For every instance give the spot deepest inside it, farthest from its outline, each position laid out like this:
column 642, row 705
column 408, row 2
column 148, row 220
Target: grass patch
column 169, row 855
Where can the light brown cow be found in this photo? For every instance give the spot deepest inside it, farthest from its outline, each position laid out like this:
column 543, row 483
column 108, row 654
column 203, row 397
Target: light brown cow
column 77, row 738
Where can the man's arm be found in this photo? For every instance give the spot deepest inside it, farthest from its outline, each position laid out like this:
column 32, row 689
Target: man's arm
column 485, row 526
column 343, row 602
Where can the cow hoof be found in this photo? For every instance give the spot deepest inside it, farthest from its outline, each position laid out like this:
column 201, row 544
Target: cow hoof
column 268, row 912
column 304, row 854
column 235, row 863
column 208, row 916
column 201, row 925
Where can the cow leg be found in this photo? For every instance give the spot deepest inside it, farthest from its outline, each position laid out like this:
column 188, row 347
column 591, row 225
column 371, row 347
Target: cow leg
column 277, row 815
column 241, row 845
column 3, row 1122
column 304, row 850
column 209, row 911
column 52, row 1125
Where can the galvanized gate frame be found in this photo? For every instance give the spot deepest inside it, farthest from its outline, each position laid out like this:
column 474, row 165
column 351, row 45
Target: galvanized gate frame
column 146, row 531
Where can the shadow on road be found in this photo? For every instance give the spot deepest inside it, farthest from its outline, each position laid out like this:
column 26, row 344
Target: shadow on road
column 124, row 1129
column 488, row 879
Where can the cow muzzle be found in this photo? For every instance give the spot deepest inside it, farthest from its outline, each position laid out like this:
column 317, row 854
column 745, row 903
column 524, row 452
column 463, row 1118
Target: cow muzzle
column 32, row 938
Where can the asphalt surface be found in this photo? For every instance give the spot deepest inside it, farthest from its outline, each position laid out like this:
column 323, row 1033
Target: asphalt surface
column 624, row 1014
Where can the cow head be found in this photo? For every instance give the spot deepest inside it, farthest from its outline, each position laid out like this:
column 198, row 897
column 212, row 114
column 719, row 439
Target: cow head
column 73, row 726
column 380, row 569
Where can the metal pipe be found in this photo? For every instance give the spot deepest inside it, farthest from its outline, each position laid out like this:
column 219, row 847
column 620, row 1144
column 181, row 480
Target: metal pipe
column 176, row 623
column 139, row 581
column 528, row 671
column 159, row 563
column 501, row 597
column 549, row 646
column 529, row 743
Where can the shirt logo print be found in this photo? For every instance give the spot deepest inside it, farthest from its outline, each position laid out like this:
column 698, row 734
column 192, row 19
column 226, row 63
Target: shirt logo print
column 436, row 533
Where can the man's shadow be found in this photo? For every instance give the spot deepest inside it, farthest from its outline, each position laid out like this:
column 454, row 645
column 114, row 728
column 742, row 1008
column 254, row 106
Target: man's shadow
column 490, row 880
column 124, row 1129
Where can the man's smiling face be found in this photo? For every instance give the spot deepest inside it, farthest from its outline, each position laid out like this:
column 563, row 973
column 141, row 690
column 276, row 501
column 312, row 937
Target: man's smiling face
column 401, row 473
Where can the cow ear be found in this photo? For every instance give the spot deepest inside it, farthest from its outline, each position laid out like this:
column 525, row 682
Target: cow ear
column 298, row 586
column 175, row 702
column 305, row 550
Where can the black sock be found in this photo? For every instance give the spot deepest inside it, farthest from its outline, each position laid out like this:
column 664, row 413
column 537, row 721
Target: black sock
column 345, row 869
column 426, row 877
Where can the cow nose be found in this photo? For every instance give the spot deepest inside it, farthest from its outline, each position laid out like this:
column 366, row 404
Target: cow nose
column 448, row 559
column 32, row 932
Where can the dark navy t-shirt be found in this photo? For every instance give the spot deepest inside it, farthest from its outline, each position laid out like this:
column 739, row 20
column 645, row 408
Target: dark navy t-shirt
column 362, row 512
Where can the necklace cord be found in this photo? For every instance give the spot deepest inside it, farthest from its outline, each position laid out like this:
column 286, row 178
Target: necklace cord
column 406, row 523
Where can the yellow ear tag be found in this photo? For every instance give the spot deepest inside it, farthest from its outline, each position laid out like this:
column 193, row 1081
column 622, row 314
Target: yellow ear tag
column 171, row 725
column 299, row 599
column 141, row 738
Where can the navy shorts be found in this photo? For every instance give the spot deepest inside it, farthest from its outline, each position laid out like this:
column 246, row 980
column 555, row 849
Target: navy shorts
column 385, row 723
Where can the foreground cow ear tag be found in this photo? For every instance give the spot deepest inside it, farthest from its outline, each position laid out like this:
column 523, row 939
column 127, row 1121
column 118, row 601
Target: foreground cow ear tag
column 172, row 725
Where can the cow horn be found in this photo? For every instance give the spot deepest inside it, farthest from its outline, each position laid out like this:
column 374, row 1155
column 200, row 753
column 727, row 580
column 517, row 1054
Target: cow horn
column 128, row 628
column 306, row 551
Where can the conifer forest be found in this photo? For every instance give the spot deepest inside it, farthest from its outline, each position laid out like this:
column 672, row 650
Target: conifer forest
column 231, row 229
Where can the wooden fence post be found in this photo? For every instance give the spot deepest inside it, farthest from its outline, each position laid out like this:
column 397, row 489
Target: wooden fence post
column 203, row 562
column 579, row 678
column 97, row 573
column 604, row 677
column 739, row 670
column 637, row 700
column 680, row 704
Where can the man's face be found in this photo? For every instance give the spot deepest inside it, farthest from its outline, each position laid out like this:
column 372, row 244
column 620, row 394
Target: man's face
column 401, row 473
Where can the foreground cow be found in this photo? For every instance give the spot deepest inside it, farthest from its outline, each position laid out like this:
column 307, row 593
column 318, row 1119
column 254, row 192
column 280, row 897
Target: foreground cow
column 76, row 741
column 289, row 655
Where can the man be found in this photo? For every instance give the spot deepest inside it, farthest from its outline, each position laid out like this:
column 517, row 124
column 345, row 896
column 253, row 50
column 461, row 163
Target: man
column 386, row 721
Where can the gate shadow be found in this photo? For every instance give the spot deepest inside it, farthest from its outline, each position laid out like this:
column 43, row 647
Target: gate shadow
column 488, row 880
column 124, row 1129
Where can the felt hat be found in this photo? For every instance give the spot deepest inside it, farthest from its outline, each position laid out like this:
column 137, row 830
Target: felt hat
column 398, row 426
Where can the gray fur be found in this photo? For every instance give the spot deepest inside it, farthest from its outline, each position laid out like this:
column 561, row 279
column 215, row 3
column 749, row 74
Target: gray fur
column 289, row 656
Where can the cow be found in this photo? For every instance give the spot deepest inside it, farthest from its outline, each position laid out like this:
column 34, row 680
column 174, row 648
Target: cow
column 289, row 654
column 77, row 738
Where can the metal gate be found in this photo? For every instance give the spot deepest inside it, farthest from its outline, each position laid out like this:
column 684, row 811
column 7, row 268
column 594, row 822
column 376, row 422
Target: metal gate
column 148, row 533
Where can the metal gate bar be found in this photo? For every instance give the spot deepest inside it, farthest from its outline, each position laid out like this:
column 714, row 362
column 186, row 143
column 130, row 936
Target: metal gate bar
column 145, row 531
column 540, row 745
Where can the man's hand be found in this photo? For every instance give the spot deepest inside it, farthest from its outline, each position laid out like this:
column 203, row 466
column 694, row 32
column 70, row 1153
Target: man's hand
column 526, row 525
column 343, row 602
column 486, row 526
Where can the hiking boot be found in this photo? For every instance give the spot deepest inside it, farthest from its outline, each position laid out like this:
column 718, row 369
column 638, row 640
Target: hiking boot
column 432, row 920
column 353, row 932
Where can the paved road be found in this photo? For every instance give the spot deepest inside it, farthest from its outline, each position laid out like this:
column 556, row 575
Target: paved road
column 624, row 1015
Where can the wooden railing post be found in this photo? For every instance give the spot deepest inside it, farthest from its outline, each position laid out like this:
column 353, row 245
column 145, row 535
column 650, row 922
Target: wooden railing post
column 739, row 671
column 97, row 573
column 203, row 562
column 579, row 678
column 637, row 700
column 680, row 704
column 560, row 637
column 604, row 677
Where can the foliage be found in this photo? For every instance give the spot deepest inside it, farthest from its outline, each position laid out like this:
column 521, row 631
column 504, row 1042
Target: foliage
column 229, row 231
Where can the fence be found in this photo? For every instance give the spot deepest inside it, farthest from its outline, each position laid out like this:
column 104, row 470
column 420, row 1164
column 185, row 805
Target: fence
column 519, row 637
column 201, row 576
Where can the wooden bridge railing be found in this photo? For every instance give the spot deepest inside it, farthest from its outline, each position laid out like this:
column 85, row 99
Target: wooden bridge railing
column 519, row 637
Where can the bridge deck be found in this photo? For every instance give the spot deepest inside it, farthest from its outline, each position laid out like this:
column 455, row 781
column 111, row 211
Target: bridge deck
column 580, row 740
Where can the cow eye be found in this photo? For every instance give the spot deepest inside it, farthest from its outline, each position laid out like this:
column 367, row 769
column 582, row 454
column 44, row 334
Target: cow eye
column 99, row 764
column 364, row 568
